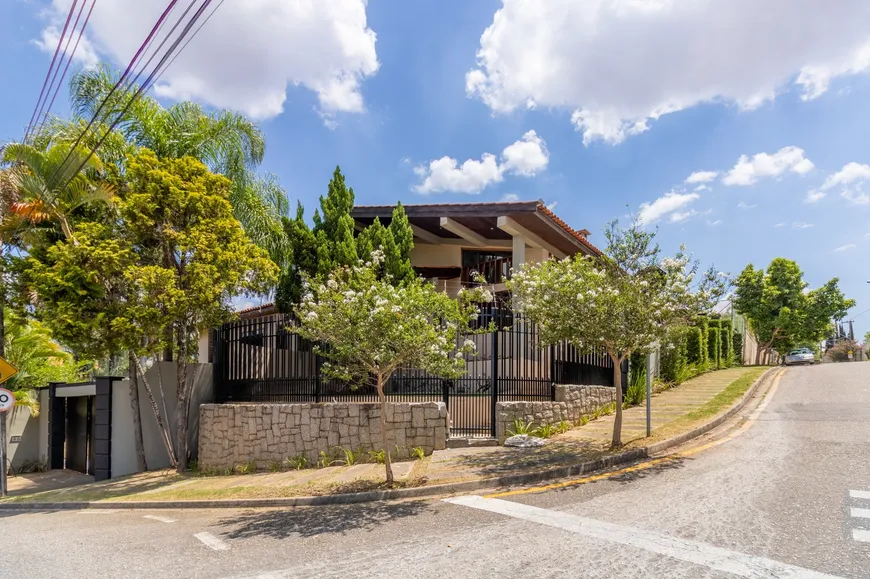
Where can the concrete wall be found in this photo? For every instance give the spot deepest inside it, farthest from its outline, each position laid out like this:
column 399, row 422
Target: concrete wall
column 571, row 403
column 20, row 423
column 233, row 434
column 123, row 445
column 427, row 255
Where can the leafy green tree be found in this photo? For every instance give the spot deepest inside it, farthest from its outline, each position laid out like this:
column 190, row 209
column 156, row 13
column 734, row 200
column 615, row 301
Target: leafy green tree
column 620, row 303
column 194, row 258
column 331, row 243
column 48, row 189
column 370, row 328
column 31, row 348
column 779, row 310
column 227, row 142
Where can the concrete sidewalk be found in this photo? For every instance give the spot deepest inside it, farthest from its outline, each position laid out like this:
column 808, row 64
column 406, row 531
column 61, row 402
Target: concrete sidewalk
column 460, row 465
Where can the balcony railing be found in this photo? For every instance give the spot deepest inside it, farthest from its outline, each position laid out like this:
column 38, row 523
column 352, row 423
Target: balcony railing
column 493, row 271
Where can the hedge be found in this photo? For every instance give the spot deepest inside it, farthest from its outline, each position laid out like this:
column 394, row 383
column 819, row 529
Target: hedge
column 737, row 342
column 695, row 346
column 725, row 345
column 674, row 354
column 713, row 346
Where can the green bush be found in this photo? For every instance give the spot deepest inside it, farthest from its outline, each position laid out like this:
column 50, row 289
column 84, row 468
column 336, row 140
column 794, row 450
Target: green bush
column 725, row 324
column 674, row 354
column 737, row 343
column 635, row 394
column 695, row 346
column 636, row 365
column 713, row 347
column 725, row 345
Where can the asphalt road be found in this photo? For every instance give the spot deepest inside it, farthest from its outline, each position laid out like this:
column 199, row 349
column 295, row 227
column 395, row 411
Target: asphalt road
column 772, row 500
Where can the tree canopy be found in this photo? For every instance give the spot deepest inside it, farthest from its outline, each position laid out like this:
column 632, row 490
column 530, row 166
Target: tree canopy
column 622, row 302
column 331, row 243
column 780, row 309
column 369, row 327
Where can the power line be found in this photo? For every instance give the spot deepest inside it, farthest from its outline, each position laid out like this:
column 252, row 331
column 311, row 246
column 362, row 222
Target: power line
column 149, row 81
column 195, row 32
column 50, row 67
column 69, row 60
column 105, row 100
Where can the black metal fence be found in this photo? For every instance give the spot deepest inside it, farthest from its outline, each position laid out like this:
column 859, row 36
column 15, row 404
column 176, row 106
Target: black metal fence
column 262, row 360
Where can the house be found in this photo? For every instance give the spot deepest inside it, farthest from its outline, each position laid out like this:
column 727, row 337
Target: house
column 454, row 240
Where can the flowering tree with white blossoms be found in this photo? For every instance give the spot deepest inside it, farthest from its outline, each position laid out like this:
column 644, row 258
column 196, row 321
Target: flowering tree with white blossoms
column 622, row 302
column 369, row 328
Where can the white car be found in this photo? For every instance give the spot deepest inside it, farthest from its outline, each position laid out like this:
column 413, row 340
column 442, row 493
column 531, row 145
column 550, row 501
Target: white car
column 801, row 356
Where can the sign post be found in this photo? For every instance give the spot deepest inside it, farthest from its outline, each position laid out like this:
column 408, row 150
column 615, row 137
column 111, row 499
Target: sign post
column 649, row 371
column 7, row 402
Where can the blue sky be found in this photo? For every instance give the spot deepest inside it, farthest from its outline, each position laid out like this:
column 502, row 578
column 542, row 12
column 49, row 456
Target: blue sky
column 625, row 109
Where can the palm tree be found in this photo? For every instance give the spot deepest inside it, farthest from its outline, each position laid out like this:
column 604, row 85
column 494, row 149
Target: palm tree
column 49, row 188
column 227, row 142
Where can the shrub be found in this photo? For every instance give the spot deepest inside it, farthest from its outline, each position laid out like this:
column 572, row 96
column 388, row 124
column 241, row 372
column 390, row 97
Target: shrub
column 713, row 347
column 674, row 354
column 545, row 431
column 840, row 351
column 725, row 345
column 418, row 453
column 737, row 348
column 521, row 427
column 296, row 462
column 695, row 352
column 635, row 393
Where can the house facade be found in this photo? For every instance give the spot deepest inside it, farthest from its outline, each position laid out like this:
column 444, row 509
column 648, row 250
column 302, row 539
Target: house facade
column 453, row 241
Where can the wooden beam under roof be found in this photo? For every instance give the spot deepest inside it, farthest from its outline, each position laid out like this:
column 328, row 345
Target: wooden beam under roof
column 509, row 225
column 464, row 232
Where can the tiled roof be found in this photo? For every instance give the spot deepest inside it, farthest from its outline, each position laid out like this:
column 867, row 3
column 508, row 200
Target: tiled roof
column 256, row 311
column 578, row 235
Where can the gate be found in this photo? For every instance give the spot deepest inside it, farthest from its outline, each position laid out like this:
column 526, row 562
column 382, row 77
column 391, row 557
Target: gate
column 262, row 360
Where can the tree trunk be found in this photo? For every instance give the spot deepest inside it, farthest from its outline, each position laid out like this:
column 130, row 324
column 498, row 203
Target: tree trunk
column 2, row 319
column 617, row 383
column 164, row 430
column 141, row 464
column 387, row 463
column 182, row 412
column 758, row 354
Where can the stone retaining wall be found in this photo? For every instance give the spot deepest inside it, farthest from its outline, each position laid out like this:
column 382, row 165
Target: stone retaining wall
column 571, row 403
column 232, row 434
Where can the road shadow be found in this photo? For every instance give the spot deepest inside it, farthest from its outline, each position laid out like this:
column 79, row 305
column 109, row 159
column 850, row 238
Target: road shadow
column 504, row 461
column 307, row 522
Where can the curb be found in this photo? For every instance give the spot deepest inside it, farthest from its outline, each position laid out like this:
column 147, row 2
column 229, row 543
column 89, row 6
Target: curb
column 416, row 492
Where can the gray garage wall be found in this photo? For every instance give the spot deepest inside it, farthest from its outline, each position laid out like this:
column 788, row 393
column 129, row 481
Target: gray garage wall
column 123, row 446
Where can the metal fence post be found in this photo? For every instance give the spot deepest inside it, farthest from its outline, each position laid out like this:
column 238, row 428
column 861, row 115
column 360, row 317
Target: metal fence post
column 318, row 379
column 494, row 382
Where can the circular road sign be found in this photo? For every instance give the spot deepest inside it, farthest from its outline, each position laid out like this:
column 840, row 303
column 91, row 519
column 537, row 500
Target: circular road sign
column 7, row 400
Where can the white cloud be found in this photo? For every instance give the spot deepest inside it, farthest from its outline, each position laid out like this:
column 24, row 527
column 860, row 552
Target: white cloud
column 714, row 223
column 749, row 170
column 743, row 205
column 813, row 196
column 850, row 173
column 702, row 176
column 855, row 196
column 668, row 203
column 510, row 197
column 620, row 64
column 801, row 225
column 846, row 247
column 678, row 216
column 249, row 52
column 703, row 188
column 525, row 157
column 85, row 54
column 780, row 224
column 552, row 206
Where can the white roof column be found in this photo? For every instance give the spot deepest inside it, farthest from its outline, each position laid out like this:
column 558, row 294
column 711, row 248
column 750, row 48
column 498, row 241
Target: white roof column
column 519, row 255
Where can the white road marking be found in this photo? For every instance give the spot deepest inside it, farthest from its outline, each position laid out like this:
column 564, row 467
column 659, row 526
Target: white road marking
column 861, row 535
column 159, row 518
column 860, row 495
column 99, row 512
column 212, row 542
column 717, row 558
